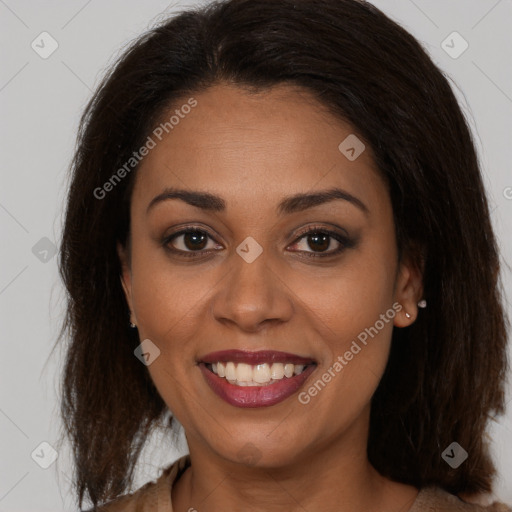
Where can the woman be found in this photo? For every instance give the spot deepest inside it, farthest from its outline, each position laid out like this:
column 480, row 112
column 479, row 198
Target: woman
column 277, row 231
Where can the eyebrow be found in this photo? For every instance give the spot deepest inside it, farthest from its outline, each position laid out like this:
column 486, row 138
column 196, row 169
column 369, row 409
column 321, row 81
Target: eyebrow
column 295, row 203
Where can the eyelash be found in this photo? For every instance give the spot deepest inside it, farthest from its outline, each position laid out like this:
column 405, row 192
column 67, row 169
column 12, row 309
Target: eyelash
column 344, row 241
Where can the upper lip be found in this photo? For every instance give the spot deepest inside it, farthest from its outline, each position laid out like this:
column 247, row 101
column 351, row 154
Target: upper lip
column 253, row 358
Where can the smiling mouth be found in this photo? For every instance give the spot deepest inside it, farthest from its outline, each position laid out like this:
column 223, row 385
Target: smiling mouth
column 255, row 379
column 265, row 374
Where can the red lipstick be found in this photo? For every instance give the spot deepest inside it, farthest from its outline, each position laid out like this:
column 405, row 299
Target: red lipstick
column 260, row 357
column 255, row 396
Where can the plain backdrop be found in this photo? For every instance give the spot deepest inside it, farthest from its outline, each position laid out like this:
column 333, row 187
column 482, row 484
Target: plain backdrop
column 41, row 100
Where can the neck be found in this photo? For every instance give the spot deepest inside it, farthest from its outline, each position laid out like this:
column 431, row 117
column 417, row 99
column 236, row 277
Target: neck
column 336, row 476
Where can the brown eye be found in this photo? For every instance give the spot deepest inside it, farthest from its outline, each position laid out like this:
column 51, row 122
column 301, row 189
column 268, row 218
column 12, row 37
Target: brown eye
column 318, row 241
column 190, row 241
column 321, row 242
column 195, row 240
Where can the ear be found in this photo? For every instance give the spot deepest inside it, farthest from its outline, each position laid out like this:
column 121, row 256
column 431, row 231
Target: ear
column 408, row 291
column 126, row 278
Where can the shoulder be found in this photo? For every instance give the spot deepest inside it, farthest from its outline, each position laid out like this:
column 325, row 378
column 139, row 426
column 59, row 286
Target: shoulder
column 143, row 498
column 435, row 499
column 153, row 496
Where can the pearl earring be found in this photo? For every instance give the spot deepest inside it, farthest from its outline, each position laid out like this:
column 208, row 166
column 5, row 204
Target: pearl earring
column 132, row 325
column 407, row 315
column 422, row 303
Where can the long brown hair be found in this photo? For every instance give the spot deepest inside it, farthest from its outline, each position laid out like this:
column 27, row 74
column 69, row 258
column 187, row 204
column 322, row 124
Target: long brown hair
column 446, row 372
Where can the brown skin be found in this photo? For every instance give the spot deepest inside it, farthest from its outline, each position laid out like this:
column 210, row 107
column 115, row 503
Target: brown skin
column 254, row 150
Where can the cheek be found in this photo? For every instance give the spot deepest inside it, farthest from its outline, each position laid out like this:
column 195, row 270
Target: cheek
column 357, row 332
column 353, row 297
column 165, row 297
column 354, row 314
column 167, row 303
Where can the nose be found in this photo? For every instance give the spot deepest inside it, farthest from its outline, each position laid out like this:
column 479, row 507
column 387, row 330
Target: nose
column 252, row 296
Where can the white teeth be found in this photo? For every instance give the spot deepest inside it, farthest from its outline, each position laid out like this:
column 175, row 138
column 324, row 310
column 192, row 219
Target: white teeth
column 277, row 371
column 230, row 371
column 263, row 374
column 243, row 372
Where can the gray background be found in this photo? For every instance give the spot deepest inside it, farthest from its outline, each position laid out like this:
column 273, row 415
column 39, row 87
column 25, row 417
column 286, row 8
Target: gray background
column 40, row 102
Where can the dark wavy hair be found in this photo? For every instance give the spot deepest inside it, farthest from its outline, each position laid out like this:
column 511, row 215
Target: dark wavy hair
column 446, row 372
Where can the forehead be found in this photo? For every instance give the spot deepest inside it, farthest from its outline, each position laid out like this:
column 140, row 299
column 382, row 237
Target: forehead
column 258, row 146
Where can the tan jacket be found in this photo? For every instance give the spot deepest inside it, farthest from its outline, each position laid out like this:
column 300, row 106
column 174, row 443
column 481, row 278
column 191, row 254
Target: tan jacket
column 156, row 497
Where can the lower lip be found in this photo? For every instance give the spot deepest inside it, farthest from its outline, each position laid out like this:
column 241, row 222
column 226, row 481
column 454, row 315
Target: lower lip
column 255, row 396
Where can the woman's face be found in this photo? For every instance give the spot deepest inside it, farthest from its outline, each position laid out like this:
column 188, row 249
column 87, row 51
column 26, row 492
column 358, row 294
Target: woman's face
column 246, row 277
